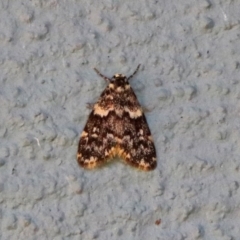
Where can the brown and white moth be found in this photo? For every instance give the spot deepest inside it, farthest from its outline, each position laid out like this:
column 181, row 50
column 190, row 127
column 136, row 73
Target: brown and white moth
column 117, row 127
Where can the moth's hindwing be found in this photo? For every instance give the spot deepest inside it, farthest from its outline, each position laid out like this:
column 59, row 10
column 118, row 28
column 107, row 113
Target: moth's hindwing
column 117, row 127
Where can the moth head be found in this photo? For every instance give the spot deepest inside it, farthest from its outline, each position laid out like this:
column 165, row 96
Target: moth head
column 119, row 79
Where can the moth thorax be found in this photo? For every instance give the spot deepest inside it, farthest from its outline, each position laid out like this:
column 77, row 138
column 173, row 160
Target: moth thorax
column 119, row 79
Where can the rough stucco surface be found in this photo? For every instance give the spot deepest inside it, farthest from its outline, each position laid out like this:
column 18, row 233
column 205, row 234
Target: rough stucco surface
column 190, row 84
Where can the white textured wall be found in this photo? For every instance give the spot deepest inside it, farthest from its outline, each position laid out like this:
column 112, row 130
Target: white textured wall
column 189, row 82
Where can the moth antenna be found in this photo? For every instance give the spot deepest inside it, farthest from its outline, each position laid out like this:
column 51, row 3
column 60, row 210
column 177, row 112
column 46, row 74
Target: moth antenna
column 134, row 72
column 102, row 76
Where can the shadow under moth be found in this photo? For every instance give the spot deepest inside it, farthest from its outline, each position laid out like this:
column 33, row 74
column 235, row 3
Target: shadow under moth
column 117, row 127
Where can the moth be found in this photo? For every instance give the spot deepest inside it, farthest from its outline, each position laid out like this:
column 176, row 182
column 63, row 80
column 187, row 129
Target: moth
column 117, row 127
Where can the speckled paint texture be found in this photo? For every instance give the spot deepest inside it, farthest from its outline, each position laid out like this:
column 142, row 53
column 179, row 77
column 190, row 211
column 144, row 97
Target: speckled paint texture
column 189, row 84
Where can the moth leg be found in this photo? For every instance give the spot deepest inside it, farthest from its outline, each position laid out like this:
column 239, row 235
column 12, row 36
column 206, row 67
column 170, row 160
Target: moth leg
column 101, row 75
column 145, row 109
column 134, row 72
column 90, row 106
